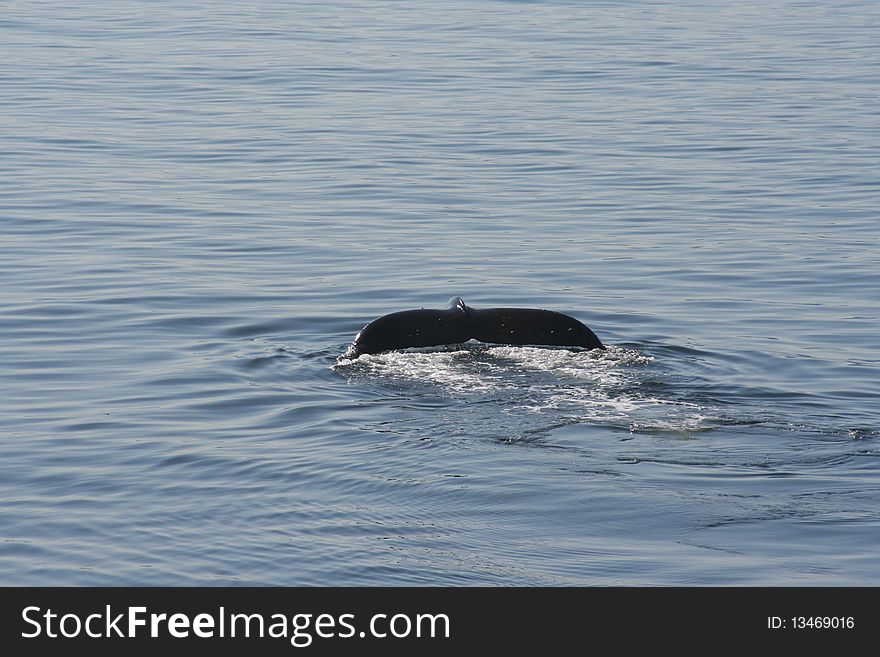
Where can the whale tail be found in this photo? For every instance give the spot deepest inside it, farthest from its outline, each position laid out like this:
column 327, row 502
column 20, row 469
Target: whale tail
column 459, row 323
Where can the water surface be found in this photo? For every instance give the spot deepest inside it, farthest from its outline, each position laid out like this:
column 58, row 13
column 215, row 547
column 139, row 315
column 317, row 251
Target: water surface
column 201, row 204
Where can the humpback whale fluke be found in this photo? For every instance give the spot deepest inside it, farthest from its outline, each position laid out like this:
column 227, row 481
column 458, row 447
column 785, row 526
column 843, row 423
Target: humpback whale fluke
column 459, row 323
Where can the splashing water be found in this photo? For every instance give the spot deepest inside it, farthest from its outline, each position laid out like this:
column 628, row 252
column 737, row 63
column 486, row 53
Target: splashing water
column 620, row 387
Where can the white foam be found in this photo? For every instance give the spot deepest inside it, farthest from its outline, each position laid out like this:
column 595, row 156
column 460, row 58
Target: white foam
column 576, row 386
column 445, row 368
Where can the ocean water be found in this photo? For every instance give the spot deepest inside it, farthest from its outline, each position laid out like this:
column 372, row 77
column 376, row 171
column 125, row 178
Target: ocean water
column 201, row 203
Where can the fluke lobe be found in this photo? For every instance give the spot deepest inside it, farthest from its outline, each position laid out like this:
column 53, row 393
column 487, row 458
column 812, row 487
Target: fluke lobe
column 459, row 323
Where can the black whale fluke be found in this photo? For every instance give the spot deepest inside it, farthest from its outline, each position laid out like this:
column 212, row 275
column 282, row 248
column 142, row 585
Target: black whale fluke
column 459, row 323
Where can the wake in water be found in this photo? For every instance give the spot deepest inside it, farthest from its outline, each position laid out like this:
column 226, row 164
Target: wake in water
column 619, row 387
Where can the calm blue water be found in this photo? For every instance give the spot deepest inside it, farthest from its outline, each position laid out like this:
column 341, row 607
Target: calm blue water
column 202, row 203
